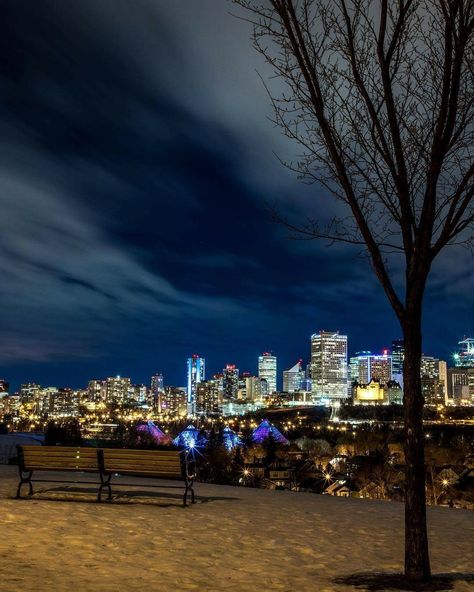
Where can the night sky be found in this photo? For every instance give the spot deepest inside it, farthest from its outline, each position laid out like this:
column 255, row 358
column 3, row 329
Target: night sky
column 137, row 168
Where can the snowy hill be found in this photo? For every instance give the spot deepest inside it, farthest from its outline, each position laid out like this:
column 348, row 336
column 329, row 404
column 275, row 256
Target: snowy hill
column 234, row 539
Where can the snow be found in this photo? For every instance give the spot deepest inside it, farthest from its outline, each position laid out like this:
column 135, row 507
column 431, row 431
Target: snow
column 234, row 539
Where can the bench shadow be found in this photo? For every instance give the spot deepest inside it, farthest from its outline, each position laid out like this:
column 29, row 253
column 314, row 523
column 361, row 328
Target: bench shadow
column 142, row 497
column 384, row 582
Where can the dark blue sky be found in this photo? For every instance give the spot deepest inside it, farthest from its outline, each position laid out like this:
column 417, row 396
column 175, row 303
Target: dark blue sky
column 137, row 162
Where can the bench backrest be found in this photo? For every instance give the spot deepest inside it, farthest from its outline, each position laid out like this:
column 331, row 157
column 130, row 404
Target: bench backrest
column 64, row 458
column 146, row 462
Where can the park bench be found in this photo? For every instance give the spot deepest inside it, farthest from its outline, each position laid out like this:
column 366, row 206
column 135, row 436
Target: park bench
column 107, row 462
column 34, row 459
column 158, row 464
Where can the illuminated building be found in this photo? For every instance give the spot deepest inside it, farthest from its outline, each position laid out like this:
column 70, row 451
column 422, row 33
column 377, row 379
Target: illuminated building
column 118, row 389
column 196, row 374
column 157, row 389
column 64, row 403
column 208, row 398
column 366, row 366
column 267, row 369
column 329, row 366
column 230, row 381
column 265, row 430
column 174, row 401
column 433, row 377
column 393, row 393
column 293, row 378
column 464, row 358
column 97, row 391
column 139, row 393
column 398, row 355
column 371, row 393
column 4, row 386
column 190, row 437
column 255, row 388
column 461, row 386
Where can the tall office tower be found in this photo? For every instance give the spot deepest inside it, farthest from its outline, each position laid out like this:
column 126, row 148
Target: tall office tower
column 230, row 381
column 97, row 391
column 196, row 374
column 293, row 378
column 464, row 358
column 118, row 389
column 365, row 367
column 398, row 355
column 381, row 367
column 208, row 398
column 443, row 378
column 157, row 389
column 329, row 366
column 267, row 369
column 359, row 366
column 433, row 383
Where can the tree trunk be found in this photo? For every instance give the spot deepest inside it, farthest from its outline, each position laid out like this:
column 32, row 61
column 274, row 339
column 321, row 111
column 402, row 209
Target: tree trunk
column 417, row 562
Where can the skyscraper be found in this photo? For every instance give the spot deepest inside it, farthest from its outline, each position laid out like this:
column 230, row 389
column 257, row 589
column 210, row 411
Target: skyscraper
column 267, row 369
column 230, row 381
column 366, row 366
column 196, row 374
column 157, row 389
column 293, row 378
column 398, row 355
column 329, row 366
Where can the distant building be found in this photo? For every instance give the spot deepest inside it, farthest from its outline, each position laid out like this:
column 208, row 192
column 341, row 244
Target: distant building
column 97, row 391
column 118, row 390
column 398, row 355
column 230, row 381
column 267, row 369
column 393, row 393
column 366, row 366
column 371, row 393
column 4, row 386
column 329, row 366
column 196, row 374
column 174, row 401
column 208, row 398
column 157, row 390
column 293, row 378
column 433, row 374
column 460, row 386
column 464, row 358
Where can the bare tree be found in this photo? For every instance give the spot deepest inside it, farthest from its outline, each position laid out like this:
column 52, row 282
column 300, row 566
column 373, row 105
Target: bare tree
column 379, row 96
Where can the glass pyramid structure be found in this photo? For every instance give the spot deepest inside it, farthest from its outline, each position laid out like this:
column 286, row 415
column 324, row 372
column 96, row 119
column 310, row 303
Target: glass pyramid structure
column 190, row 438
column 264, row 430
column 158, row 436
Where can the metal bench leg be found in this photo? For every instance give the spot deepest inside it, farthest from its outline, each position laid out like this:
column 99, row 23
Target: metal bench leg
column 23, row 480
column 104, row 483
column 188, row 488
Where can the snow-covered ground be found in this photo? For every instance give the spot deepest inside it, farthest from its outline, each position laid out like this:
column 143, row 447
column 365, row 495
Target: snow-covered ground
column 233, row 539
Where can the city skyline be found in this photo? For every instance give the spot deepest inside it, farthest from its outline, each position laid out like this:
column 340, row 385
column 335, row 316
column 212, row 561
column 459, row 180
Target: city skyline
column 137, row 227
column 213, row 368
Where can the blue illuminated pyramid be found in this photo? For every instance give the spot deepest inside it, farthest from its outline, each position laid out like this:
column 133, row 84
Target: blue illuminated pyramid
column 190, row 437
column 266, row 429
column 231, row 439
